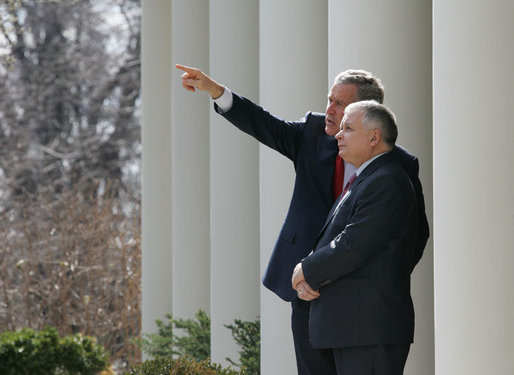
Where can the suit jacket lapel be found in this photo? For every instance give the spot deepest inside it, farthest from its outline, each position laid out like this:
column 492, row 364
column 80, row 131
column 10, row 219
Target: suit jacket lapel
column 340, row 200
column 333, row 211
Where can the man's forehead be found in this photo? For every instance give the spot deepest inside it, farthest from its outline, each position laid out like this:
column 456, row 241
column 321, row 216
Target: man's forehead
column 350, row 113
column 344, row 88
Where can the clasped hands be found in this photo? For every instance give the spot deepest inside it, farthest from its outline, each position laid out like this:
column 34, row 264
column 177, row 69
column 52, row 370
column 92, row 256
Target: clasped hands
column 304, row 290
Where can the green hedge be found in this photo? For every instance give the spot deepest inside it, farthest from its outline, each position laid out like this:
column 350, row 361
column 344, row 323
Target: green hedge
column 180, row 366
column 30, row 352
column 248, row 336
column 195, row 342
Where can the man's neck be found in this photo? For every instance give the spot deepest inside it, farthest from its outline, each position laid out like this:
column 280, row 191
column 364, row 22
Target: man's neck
column 376, row 153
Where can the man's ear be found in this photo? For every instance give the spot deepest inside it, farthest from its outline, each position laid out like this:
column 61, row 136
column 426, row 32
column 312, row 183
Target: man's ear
column 375, row 138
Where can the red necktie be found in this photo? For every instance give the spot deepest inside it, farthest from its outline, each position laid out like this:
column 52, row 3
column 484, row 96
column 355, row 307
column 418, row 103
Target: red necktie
column 337, row 184
column 349, row 183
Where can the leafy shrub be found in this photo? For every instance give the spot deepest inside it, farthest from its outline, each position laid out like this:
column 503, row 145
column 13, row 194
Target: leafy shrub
column 196, row 344
column 180, row 366
column 248, row 336
column 159, row 344
column 29, row 352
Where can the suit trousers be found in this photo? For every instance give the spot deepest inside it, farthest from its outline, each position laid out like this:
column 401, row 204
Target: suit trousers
column 309, row 361
column 371, row 360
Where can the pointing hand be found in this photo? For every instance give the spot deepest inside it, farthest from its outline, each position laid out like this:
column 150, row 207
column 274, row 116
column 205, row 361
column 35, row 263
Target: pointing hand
column 193, row 79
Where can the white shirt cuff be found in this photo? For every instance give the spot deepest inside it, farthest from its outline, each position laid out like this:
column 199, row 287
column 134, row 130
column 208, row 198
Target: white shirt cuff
column 225, row 101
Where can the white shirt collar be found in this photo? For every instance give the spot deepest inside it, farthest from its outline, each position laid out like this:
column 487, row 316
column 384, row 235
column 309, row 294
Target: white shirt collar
column 368, row 162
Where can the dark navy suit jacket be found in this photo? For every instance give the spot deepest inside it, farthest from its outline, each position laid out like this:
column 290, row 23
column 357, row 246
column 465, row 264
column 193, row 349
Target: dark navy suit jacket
column 362, row 262
column 313, row 154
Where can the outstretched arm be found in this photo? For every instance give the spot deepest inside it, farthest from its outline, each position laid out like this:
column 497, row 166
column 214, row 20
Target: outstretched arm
column 280, row 135
column 193, row 79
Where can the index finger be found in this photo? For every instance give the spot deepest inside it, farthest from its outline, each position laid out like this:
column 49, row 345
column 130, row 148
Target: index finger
column 186, row 69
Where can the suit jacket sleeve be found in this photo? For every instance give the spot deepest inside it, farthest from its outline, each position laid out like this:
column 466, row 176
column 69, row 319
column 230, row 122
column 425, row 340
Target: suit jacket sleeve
column 360, row 229
column 282, row 136
column 410, row 164
column 423, row 228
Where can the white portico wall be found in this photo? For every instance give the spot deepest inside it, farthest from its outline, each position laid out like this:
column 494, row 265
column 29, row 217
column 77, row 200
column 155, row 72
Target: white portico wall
column 292, row 81
column 392, row 39
column 190, row 268
column 156, row 163
column 234, row 160
column 293, row 71
column 473, row 187
column 473, row 176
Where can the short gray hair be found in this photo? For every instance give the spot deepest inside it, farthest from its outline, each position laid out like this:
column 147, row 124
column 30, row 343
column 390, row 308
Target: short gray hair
column 377, row 116
column 369, row 87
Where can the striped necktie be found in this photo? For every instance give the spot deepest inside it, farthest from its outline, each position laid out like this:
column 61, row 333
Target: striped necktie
column 349, row 183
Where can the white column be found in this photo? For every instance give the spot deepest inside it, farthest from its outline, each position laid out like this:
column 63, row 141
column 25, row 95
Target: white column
column 473, row 187
column 293, row 71
column 234, row 158
column 156, row 162
column 190, row 163
column 393, row 40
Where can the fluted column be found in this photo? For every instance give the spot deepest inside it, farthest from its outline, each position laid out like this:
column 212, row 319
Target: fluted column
column 473, row 187
column 393, row 40
column 156, row 162
column 234, row 160
column 293, row 80
column 190, row 163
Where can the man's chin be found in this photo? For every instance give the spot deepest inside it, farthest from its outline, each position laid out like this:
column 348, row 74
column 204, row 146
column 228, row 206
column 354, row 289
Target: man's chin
column 331, row 130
